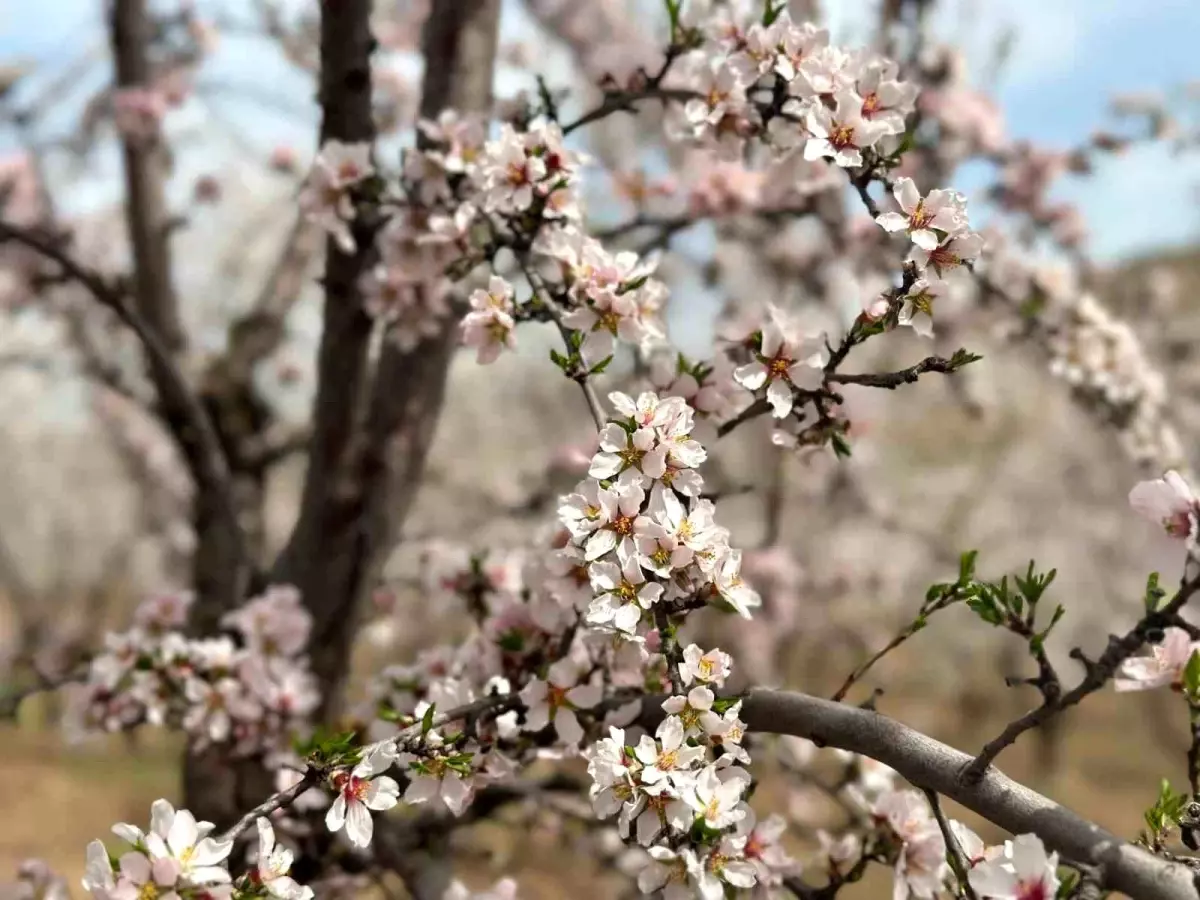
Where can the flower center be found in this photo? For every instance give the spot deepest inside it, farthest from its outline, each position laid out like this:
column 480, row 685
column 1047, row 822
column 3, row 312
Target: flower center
column 870, row 105
column 517, row 174
column 1032, row 890
column 779, row 367
column 944, row 258
column 841, row 136
column 622, row 525
column 920, row 217
column 668, row 760
column 922, row 302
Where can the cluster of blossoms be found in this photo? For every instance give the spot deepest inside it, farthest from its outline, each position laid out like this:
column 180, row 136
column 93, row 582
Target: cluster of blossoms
column 1100, row 356
column 943, row 245
column 252, row 692
column 786, row 84
column 896, row 825
column 177, row 859
column 461, row 198
column 328, row 195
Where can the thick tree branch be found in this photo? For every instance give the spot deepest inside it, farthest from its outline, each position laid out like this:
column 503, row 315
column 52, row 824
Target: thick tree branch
column 186, row 417
column 145, row 165
column 367, row 458
column 932, row 765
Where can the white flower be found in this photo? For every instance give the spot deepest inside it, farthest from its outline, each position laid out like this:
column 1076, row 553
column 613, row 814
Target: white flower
column 732, row 588
column 917, row 308
column 98, row 877
column 665, row 871
column 510, row 173
column 140, row 877
column 556, row 699
column 625, row 594
column 274, row 863
column 636, row 457
column 952, row 253
column 712, row 667
column 325, row 199
column 692, row 708
column 1170, row 503
column 360, row 790
column 200, row 858
column 1164, row 666
column 886, row 99
column 843, row 133
column 788, row 358
column 717, row 802
column 615, row 519
column 667, row 757
column 725, row 864
column 606, row 316
column 763, row 848
column 1023, row 872
column 439, row 781
column 944, row 211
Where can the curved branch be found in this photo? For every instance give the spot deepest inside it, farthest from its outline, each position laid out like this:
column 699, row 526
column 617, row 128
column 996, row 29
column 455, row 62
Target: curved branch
column 185, row 415
column 932, row 765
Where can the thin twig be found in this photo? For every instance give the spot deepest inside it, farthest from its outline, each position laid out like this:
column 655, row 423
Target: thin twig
column 277, row 801
column 954, row 852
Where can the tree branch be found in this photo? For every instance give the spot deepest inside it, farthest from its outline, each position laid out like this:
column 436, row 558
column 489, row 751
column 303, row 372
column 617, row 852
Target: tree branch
column 145, row 202
column 368, row 456
column 932, row 765
column 185, row 415
column 1097, row 673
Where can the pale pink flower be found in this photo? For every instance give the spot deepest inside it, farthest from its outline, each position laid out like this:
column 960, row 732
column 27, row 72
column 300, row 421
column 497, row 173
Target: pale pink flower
column 923, row 217
column 1023, row 872
column 711, row 667
column 842, row 134
column 363, row 789
column 1169, row 503
column 1164, row 666
column 952, row 253
column 556, row 699
column 916, row 310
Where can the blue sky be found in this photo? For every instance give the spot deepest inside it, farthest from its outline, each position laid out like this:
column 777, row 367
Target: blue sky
column 1069, row 57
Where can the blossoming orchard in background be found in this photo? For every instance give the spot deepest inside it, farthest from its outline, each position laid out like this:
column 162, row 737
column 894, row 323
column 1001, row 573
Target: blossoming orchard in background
column 580, row 650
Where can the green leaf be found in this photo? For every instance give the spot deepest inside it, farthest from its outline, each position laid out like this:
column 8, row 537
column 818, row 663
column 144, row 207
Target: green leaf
column 599, row 367
column 1191, row 676
column 1154, row 594
column 427, row 719
column 963, row 358
column 841, row 447
column 772, row 10
column 966, row 566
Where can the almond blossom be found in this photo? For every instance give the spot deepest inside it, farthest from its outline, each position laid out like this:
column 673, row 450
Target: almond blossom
column 1164, row 667
column 787, row 358
column 715, row 801
column 711, row 667
column 952, row 253
column 1023, row 872
column 556, row 699
column 841, row 134
column 490, row 326
column 916, row 310
column 1170, row 503
column 273, row 865
column 669, row 756
column 924, row 217
column 360, row 790
column 325, row 198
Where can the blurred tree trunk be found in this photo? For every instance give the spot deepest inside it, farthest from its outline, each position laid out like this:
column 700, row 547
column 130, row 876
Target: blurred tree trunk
column 371, row 426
